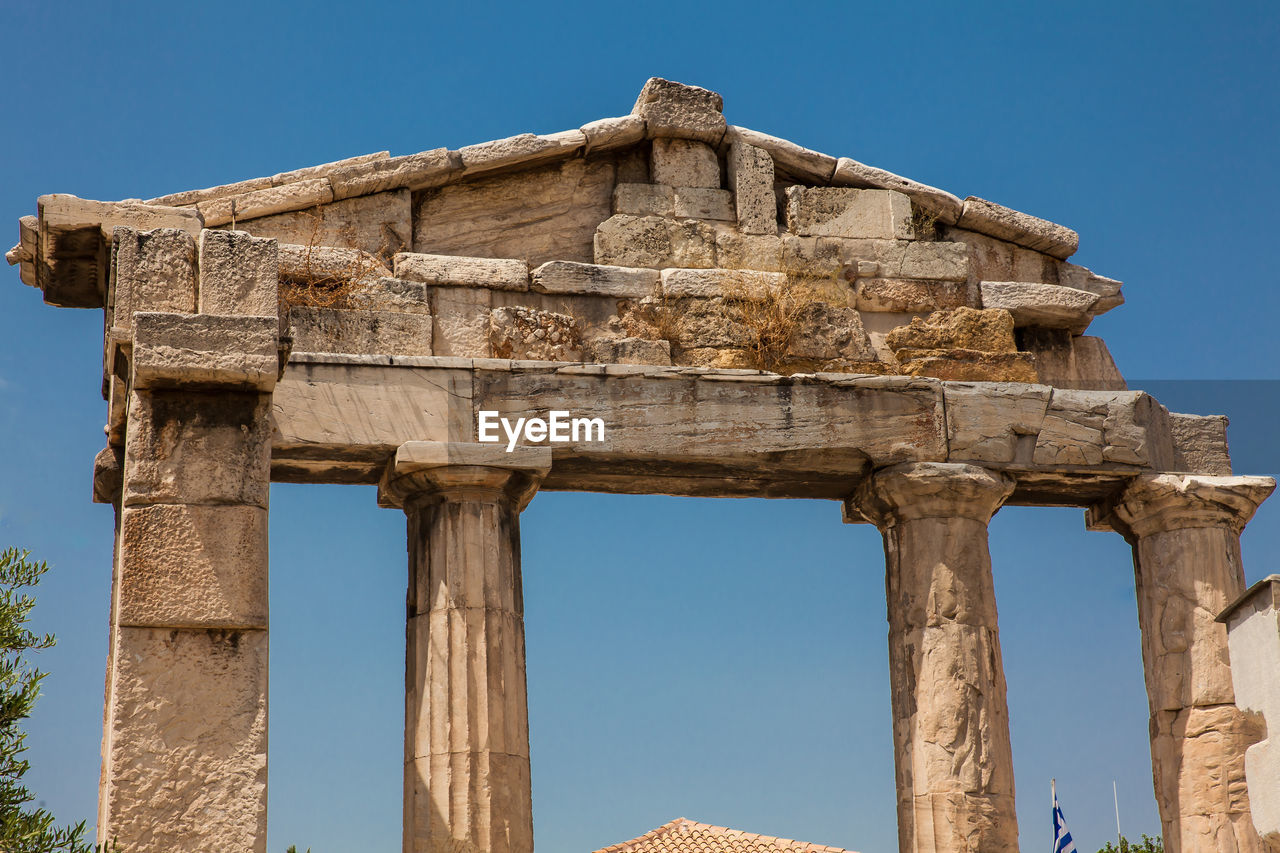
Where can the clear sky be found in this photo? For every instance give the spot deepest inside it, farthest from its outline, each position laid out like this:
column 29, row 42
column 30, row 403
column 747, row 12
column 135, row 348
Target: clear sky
column 721, row 660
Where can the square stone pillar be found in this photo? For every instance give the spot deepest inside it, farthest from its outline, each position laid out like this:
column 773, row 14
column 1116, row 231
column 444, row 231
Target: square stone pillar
column 185, row 731
column 1185, row 533
column 467, row 784
column 950, row 714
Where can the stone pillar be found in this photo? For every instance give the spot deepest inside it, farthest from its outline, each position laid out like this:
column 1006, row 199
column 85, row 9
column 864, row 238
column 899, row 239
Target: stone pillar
column 466, row 782
column 1185, row 533
column 950, row 715
column 185, row 731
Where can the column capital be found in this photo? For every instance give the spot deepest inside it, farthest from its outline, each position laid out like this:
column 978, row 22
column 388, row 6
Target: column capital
column 1152, row 503
column 454, row 471
column 915, row 490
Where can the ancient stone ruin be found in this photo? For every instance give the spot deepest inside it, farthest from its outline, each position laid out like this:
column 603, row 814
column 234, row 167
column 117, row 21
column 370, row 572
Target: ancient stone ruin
column 747, row 318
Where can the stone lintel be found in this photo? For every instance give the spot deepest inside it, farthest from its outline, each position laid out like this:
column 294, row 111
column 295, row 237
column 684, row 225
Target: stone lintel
column 463, row 471
column 1154, row 503
column 916, row 490
column 1263, row 595
column 204, row 350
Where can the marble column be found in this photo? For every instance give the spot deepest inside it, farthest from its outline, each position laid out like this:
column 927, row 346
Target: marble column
column 466, row 781
column 1185, row 533
column 950, row 715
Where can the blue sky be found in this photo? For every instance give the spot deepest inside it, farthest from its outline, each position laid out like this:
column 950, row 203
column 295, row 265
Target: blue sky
column 722, row 660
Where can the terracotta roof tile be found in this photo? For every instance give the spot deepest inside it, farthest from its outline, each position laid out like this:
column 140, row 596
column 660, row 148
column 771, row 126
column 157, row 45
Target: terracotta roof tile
column 686, row 836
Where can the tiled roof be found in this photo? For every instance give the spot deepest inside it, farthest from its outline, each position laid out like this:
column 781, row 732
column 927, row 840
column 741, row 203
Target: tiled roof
column 686, row 836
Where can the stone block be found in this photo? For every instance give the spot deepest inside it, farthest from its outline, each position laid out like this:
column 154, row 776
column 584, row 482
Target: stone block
column 325, row 169
column 1048, row 305
column 189, row 198
column 1200, row 444
column 847, row 212
column 1004, row 223
column 461, row 326
column 265, row 202
column 748, row 251
column 934, row 260
column 751, row 180
column 193, row 567
column 908, row 295
column 655, row 242
column 1033, row 266
column 595, row 280
column 703, row 203
column 684, row 163
column 186, row 750
column 987, row 422
column 205, row 350
column 493, row 273
column 628, row 351
column 607, row 133
column 524, row 149
column 327, row 264
column 152, row 271
column 546, row 213
column 530, row 333
column 1082, row 278
column 969, row 365
column 644, row 199
column 713, row 283
column 673, row 109
column 239, row 274
column 1071, row 361
column 988, row 331
column 827, row 332
column 361, row 332
column 941, row 203
column 192, row 447
column 412, row 172
column 793, row 160
column 379, row 224
column 992, row 258
column 391, row 294
column 1093, row 427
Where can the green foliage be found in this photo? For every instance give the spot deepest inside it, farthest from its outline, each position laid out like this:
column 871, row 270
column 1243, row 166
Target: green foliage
column 294, row 849
column 1148, row 845
column 23, row 830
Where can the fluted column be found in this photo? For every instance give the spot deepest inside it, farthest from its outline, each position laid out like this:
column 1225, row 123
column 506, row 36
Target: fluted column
column 950, row 714
column 1185, row 533
column 467, row 783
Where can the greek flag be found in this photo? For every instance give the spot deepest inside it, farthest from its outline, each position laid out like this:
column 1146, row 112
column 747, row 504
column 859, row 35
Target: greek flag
column 1062, row 842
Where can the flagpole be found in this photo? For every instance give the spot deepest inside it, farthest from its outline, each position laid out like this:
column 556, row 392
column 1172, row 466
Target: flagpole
column 1053, row 807
column 1116, row 795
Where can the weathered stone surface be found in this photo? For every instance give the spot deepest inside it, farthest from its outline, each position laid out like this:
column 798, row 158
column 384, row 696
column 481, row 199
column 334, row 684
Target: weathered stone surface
column 543, row 214
column 362, row 331
column 530, row 333
column 171, row 350
column 656, row 242
column 969, row 365
column 186, row 743
column 673, row 109
column 710, row 283
column 963, row 328
column 938, row 202
column 936, row 260
column 748, row 251
column 629, row 350
column 391, row 294
column 312, row 264
column 1003, row 223
column 1200, row 444
column 497, row 274
column 325, row 169
column 186, row 447
column 1082, row 278
column 1093, row 427
column 644, row 199
column 595, row 280
column 992, row 422
column 152, row 271
column 189, row 198
column 265, row 202
column 379, row 224
column 61, row 215
column 411, row 172
column 1064, row 360
column 751, row 180
column 461, row 325
column 684, row 163
column 846, row 212
column 703, row 203
column 239, row 274
column 794, row 160
column 524, row 149
column 951, row 717
column 608, row 133
column 905, row 295
column 193, row 567
column 1047, row 305
column 1253, row 635
column 830, row 333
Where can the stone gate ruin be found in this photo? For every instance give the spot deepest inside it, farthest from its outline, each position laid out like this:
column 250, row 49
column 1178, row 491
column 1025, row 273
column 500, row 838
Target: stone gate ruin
column 747, row 317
